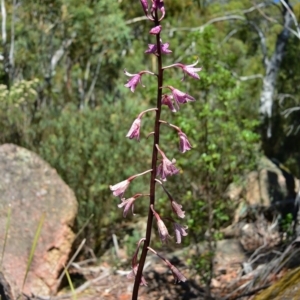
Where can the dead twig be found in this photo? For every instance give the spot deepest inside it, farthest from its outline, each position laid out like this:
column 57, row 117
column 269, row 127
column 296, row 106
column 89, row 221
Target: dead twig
column 78, row 290
column 253, row 292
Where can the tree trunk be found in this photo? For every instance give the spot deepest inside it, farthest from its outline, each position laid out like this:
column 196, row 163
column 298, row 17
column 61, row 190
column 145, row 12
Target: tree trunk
column 272, row 68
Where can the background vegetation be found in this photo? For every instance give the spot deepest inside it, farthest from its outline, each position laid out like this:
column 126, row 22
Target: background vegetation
column 62, row 95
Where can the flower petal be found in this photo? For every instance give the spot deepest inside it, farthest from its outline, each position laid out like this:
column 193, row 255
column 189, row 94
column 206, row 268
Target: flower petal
column 184, row 144
column 155, row 30
column 134, row 131
column 120, row 188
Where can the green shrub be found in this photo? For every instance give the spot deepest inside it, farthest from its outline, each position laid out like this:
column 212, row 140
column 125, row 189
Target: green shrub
column 88, row 149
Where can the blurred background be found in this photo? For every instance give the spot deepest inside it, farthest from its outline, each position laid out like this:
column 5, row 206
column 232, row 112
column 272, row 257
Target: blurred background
column 62, row 96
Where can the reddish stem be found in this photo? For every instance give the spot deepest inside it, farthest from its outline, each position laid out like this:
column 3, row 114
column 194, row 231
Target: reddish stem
column 153, row 167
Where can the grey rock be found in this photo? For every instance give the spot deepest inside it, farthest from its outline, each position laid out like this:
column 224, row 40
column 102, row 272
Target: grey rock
column 31, row 188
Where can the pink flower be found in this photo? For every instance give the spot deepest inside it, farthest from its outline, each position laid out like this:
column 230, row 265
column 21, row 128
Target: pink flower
column 180, row 231
column 145, row 6
column 167, row 100
column 158, row 4
column 190, row 70
column 178, row 276
column 134, row 131
column 162, row 229
column 155, row 30
column 180, row 97
column 120, row 188
column 187, row 69
column 177, row 209
column 153, row 49
column 166, row 168
column 128, row 203
column 176, row 273
column 184, row 144
column 135, row 80
column 164, row 48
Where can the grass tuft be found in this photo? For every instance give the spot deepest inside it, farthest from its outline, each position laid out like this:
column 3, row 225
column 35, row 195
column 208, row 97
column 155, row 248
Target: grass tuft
column 33, row 247
column 6, row 234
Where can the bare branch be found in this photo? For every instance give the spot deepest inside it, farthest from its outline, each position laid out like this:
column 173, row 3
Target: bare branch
column 288, row 111
column 245, row 78
column 272, row 69
column 3, row 13
column 286, row 5
column 282, row 97
column 58, row 55
column 212, row 21
column 228, row 36
column 250, row 77
column 135, row 20
column 12, row 43
column 227, row 18
column 270, row 19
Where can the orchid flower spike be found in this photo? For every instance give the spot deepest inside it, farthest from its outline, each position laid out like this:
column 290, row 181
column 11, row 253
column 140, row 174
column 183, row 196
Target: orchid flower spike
column 162, row 229
column 187, row 69
column 135, row 80
column 120, row 188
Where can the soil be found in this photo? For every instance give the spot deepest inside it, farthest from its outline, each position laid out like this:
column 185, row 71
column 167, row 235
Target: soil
column 108, row 282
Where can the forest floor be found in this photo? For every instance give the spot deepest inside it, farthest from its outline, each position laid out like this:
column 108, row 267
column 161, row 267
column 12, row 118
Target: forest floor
column 107, row 282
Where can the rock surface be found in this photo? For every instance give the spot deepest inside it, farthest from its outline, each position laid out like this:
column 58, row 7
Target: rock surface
column 31, row 188
column 270, row 184
column 265, row 197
